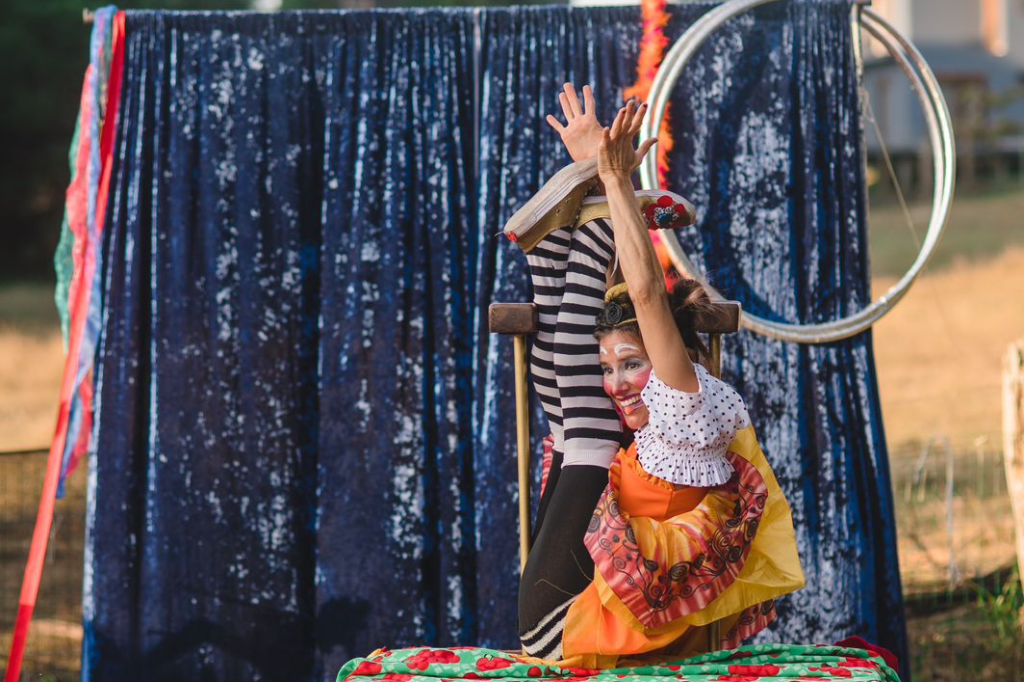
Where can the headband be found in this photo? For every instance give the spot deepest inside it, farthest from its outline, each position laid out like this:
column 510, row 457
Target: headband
column 616, row 314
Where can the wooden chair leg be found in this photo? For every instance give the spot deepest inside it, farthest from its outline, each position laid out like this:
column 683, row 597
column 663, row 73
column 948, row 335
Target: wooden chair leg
column 519, row 320
column 523, row 448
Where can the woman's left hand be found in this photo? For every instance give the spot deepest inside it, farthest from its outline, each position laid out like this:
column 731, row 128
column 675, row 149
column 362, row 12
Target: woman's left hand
column 617, row 158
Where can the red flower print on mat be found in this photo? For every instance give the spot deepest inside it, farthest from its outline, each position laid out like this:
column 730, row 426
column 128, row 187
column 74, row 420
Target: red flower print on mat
column 755, row 670
column 425, row 658
column 665, row 214
column 584, row 672
column 837, row 672
column 740, row 654
column 858, row 663
column 368, row 668
column 496, row 663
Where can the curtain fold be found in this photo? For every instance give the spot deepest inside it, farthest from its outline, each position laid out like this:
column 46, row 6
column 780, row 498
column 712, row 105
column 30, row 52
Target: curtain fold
column 396, row 522
column 305, row 444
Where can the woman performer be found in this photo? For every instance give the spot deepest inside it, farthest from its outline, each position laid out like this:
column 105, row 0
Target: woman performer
column 637, row 550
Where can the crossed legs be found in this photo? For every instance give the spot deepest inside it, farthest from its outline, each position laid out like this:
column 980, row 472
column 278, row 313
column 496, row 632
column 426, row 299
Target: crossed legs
column 568, row 271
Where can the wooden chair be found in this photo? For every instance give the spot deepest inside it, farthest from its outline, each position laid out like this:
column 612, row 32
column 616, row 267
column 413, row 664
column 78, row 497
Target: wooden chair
column 520, row 320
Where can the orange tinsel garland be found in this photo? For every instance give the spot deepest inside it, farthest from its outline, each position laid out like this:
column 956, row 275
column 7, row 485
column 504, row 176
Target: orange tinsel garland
column 652, row 50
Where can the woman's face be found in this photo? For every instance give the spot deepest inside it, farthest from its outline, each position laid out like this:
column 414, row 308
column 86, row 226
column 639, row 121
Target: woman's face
column 626, row 369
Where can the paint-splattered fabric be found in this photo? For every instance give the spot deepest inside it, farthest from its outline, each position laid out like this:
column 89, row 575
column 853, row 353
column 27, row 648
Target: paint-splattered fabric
column 304, row 444
column 777, row 662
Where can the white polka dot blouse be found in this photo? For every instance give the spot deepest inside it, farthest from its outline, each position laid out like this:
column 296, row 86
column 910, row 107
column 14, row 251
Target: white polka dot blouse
column 685, row 440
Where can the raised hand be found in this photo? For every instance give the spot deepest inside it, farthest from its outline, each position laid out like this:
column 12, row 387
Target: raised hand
column 581, row 133
column 616, row 155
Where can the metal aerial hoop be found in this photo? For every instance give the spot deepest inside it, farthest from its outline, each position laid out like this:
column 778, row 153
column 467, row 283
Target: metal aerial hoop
column 940, row 135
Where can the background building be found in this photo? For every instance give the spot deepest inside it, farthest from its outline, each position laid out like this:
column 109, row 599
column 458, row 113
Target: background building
column 976, row 49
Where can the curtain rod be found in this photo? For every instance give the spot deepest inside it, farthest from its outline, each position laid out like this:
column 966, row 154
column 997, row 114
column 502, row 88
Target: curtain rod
column 89, row 16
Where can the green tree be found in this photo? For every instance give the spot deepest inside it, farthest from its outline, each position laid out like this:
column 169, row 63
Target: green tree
column 44, row 49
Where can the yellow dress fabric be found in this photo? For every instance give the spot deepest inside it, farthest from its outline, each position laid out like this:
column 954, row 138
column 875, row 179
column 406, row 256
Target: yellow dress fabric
column 669, row 561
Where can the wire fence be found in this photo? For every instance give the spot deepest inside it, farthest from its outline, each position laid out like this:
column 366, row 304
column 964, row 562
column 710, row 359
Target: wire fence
column 956, row 547
column 958, row 563
column 55, row 637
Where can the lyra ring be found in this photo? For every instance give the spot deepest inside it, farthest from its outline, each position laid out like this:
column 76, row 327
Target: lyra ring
column 940, row 136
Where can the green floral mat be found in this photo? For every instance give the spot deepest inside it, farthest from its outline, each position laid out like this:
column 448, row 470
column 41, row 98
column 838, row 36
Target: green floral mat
column 777, row 662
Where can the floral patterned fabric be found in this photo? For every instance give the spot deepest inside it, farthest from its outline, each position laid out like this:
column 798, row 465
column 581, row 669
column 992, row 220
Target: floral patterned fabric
column 668, row 564
column 778, row 662
column 708, row 547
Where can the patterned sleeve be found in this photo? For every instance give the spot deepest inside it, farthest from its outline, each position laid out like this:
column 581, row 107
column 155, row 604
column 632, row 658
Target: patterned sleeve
column 688, row 434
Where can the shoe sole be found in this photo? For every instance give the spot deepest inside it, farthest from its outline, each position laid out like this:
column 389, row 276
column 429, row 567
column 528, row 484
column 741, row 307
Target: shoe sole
column 554, row 206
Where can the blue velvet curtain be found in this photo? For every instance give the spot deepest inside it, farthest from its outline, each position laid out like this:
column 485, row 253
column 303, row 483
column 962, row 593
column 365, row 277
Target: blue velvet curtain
column 304, row 446
column 770, row 150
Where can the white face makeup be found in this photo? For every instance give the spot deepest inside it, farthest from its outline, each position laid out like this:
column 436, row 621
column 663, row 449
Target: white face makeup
column 626, row 369
column 622, row 349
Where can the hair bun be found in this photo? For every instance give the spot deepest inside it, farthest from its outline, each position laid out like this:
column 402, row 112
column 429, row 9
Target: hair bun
column 688, row 300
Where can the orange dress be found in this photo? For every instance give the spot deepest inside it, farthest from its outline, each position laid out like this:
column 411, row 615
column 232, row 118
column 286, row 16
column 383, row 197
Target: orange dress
column 669, row 560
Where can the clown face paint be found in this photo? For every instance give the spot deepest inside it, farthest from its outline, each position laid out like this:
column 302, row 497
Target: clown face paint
column 626, row 369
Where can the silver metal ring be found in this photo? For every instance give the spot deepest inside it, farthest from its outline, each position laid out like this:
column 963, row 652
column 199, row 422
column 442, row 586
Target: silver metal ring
column 940, row 135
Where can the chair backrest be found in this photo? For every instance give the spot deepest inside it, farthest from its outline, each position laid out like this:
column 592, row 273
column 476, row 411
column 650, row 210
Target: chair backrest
column 722, row 317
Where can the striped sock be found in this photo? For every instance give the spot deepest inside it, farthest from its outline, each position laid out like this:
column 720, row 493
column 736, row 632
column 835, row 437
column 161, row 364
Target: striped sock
column 592, row 429
column 548, row 261
column 545, row 639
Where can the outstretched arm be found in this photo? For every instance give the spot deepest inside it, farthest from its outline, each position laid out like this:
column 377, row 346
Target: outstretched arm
column 639, row 262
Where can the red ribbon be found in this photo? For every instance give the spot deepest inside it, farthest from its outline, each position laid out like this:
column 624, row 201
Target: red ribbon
column 79, row 308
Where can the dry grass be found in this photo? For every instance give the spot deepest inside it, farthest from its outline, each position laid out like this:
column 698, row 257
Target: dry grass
column 31, row 363
column 980, row 227
column 939, row 356
column 940, row 353
column 945, row 542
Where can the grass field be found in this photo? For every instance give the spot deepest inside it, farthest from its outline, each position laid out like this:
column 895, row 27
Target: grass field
column 940, row 351
column 939, row 358
column 31, row 362
column 981, row 226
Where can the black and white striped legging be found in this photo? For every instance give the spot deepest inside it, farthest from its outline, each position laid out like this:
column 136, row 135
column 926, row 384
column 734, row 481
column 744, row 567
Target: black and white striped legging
column 569, row 274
